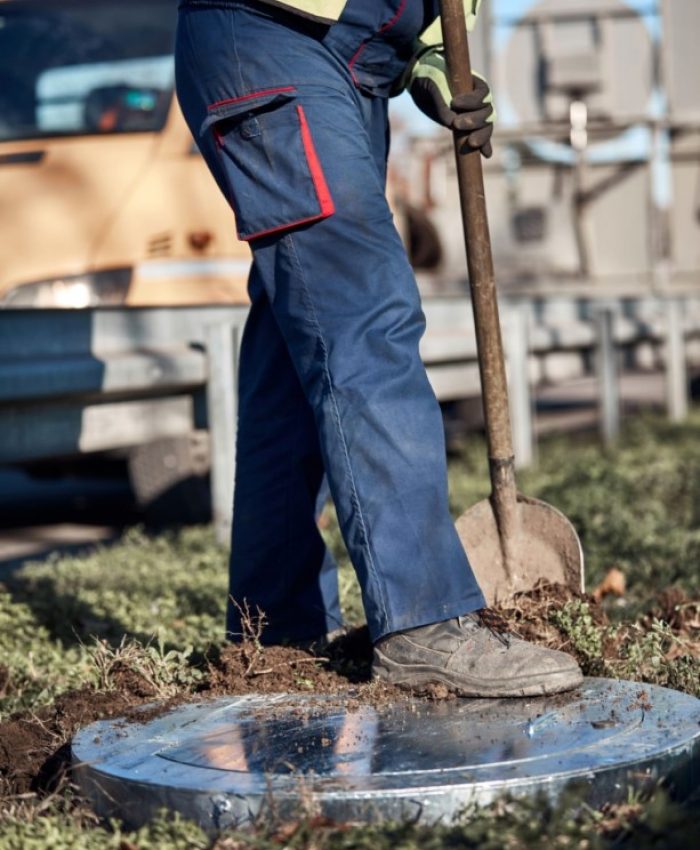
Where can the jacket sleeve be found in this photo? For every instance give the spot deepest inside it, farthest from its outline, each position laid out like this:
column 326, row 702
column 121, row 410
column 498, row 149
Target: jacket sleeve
column 429, row 43
column 432, row 35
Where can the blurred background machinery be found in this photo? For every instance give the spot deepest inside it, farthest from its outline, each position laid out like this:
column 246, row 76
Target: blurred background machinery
column 595, row 181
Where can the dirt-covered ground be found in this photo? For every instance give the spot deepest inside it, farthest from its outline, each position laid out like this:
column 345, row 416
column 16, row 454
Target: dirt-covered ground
column 87, row 637
column 33, row 751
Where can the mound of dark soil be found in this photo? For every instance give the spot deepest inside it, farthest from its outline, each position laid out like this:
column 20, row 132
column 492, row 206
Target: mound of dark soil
column 529, row 614
column 342, row 668
column 682, row 614
column 34, row 747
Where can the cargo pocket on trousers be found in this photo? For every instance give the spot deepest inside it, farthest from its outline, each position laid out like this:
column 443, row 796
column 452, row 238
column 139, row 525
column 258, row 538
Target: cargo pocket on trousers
column 273, row 174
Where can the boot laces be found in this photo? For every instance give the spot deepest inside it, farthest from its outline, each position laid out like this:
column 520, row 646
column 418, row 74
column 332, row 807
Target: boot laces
column 491, row 620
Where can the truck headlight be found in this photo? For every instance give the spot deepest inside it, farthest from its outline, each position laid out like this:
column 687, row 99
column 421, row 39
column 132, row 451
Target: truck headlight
column 72, row 292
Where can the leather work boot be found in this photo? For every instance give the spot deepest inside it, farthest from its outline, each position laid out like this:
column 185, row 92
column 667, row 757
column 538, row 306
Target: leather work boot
column 472, row 659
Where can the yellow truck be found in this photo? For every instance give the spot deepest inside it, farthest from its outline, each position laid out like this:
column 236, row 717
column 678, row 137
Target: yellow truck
column 107, row 209
column 121, row 276
column 104, row 198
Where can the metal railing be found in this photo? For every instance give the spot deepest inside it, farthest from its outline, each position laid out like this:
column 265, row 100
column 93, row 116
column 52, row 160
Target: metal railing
column 77, row 382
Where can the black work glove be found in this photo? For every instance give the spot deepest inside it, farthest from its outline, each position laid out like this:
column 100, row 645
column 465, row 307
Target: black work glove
column 471, row 113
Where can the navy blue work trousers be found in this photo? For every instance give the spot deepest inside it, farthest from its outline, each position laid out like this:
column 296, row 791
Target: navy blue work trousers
column 330, row 374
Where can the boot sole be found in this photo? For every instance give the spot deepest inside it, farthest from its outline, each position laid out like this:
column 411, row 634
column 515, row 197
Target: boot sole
column 419, row 678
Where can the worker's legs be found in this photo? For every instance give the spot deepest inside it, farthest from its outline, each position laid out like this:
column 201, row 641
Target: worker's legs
column 299, row 162
column 279, row 562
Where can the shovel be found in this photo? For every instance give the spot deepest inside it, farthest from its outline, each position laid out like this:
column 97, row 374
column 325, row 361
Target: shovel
column 512, row 541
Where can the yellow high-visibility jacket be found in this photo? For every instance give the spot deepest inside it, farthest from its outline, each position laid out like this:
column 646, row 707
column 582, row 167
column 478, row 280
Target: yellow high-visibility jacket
column 329, row 11
column 325, row 11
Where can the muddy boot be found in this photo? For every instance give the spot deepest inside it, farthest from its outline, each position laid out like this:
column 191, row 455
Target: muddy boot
column 472, row 659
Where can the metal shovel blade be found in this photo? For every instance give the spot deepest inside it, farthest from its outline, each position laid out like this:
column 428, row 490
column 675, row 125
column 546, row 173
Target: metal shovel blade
column 546, row 544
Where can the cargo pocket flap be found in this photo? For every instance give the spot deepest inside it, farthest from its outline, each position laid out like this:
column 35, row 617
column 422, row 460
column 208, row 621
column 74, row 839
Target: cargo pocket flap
column 237, row 106
column 273, row 173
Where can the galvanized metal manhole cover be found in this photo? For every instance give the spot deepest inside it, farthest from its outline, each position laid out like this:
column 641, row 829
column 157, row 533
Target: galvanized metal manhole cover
column 225, row 761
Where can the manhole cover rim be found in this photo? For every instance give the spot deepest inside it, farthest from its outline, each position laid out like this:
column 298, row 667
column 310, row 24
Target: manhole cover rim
column 211, row 779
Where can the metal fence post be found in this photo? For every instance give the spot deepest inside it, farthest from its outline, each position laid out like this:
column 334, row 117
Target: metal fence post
column 606, row 368
column 517, row 358
column 676, row 366
column 222, row 412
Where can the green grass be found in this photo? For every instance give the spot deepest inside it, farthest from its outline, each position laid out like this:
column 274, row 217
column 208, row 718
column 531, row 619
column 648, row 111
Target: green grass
column 167, row 592
column 39, row 667
column 636, row 507
column 652, row 824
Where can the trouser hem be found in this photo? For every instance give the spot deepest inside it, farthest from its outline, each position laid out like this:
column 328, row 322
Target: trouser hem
column 426, row 617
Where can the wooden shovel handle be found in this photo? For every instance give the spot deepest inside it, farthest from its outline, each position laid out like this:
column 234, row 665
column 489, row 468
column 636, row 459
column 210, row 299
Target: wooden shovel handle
column 478, row 245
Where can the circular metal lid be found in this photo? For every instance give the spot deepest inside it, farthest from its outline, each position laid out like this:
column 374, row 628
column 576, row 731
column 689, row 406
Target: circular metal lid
column 224, row 761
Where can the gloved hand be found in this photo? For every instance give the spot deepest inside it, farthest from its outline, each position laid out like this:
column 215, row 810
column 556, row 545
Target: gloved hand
column 472, row 113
